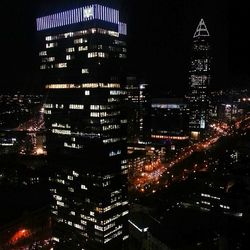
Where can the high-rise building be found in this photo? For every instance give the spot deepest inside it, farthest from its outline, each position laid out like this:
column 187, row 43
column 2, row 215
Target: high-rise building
column 138, row 110
column 169, row 125
column 199, row 81
column 82, row 54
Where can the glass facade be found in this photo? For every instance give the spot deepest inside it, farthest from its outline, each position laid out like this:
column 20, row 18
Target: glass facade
column 199, row 81
column 169, row 120
column 137, row 110
column 82, row 72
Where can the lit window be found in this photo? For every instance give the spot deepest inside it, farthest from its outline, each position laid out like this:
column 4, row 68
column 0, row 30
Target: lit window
column 80, row 40
column 59, row 125
column 61, row 65
column 94, row 114
column 109, row 85
column 43, row 66
column 84, row 187
column 110, row 127
column 58, row 197
column 90, row 85
column 114, row 153
column 94, row 107
column 111, row 140
column 48, row 38
column 55, row 239
column 61, row 131
column 60, row 203
column 125, row 237
column 82, row 48
column 99, row 228
column 113, row 33
column 69, row 57
column 125, row 212
column 60, row 181
column 51, row 45
column 69, row 34
column 102, row 54
column 117, row 92
column 48, row 59
column 113, row 99
column 51, row 59
column 83, row 222
column 85, row 71
column 78, row 226
column 92, row 54
column 47, row 112
column 70, row 50
column 76, row 106
column 43, row 53
column 75, row 174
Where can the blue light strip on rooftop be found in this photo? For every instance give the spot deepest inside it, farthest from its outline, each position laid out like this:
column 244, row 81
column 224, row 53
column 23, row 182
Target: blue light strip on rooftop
column 82, row 14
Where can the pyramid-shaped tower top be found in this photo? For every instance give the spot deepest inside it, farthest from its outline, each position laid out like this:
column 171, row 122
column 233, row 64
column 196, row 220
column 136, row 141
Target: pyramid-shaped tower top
column 201, row 29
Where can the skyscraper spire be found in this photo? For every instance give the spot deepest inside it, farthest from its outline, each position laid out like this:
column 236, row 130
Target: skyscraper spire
column 201, row 29
column 199, row 80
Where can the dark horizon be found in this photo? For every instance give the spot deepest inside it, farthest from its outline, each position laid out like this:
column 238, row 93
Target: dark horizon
column 159, row 43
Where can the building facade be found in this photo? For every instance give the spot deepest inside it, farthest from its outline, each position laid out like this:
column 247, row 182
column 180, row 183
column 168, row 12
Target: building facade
column 199, row 81
column 137, row 110
column 169, row 121
column 82, row 52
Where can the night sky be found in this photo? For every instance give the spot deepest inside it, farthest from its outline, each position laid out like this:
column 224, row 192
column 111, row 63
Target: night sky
column 159, row 42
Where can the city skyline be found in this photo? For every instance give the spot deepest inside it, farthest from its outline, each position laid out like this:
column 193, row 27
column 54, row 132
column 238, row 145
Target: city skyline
column 165, row 29
column 125, row 125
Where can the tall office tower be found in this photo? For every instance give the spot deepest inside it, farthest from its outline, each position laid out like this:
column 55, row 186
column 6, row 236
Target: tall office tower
column 138, row 110
column 82, row 53
column 198, row 98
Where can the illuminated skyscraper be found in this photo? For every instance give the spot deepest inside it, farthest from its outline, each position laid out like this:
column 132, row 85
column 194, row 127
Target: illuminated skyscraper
column 199, row 82
column 82, row 53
